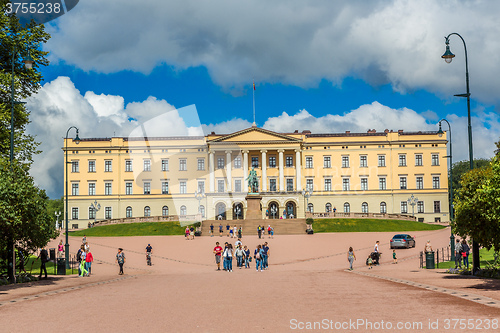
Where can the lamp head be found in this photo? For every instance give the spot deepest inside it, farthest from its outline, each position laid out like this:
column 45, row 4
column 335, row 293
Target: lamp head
column 77, row 138
column 28, row 61
column 447, row 56
column 440, row 131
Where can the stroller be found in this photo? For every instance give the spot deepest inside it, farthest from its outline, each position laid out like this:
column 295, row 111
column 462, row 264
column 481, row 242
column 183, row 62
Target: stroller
column 375, row 258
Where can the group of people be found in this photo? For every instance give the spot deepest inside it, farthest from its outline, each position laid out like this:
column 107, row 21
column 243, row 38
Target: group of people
column 261, row 230
column 243, row 256
column 85, row 258
column 189, row 233
column 462, row 251
column 233, row 232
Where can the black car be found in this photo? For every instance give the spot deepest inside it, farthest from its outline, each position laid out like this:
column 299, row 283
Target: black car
column 402, row 240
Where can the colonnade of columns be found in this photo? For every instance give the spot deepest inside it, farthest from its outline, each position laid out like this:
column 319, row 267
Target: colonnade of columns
column 263, row 165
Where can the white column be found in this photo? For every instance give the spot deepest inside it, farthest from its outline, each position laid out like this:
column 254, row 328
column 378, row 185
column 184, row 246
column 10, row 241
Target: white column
column 228, row 171
column 211, row 170
column 298, row 180
column 282, row 176
column 264, row 171
column 245, row 170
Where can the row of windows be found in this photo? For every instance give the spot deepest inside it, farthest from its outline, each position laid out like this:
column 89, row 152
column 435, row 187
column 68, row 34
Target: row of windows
column 382, row 206
column 128, row 212
column 346, row 183
column 363, row 161
column 108, row 165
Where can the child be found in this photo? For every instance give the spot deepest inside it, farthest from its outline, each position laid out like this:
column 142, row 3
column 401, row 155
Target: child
column 370, row 262
column 394, row 257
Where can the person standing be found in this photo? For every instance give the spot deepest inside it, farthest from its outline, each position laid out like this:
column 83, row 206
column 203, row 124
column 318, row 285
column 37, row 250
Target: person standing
column 21, row 260
column 265, row 256
column 187, row 233
column 258, row 258
column 240, row 232
column 351, row 257
column 428, row 247
column 149, row 252
column 220, row 230
column 120, row 259
column 218, row 254
column 211, row 230
column 465, row 253
column 83, row 263
column 89, row 258
column 394, row 257
column 377, row 252
column 239, row 256
column 60, row 249
column 235, row 231
column 458, row 254
column 259, row 231
column 44, row 257
column 228, row 257
column 247, row 256
column 231, row 233
column 227, row 229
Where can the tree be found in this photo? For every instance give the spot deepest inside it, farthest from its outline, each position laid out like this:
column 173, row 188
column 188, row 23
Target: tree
column 15, row 41
column 477, row 205
column 460, row 168
column 24, row 214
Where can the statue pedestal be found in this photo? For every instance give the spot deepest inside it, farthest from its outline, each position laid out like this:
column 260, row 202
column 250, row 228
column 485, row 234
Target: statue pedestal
column 254, row 212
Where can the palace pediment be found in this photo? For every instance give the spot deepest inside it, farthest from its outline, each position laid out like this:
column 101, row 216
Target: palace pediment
column 255, row 135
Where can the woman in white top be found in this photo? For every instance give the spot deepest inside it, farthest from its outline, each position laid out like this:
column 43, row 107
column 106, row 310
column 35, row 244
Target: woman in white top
column 228, row 257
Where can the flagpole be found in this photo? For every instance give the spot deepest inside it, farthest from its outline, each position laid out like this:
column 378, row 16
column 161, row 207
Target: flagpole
column 253, row 90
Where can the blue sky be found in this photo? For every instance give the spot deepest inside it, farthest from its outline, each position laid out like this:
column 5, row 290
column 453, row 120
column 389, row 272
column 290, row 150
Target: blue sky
column 323, row 66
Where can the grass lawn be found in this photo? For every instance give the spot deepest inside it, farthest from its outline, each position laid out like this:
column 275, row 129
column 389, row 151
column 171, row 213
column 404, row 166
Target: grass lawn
column 33, row 265
column 370, row 225
column 486, row 257
column 133, row 229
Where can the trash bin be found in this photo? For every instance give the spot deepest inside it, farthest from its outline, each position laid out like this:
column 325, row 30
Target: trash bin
column 52, row 254
column 429, row 260
column 61, row 266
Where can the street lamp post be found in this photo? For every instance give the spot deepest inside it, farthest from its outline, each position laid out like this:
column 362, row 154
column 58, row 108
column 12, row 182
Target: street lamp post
column 412, row 201
column 28, row 64
column 450, row 185
column 274, row 210
column 199, row 195
column 306, row 193
column 95, row 208
column 77, row 141
column 57, row 219
column 448, row 57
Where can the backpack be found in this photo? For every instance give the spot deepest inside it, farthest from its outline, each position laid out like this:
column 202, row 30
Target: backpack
column 257, row 256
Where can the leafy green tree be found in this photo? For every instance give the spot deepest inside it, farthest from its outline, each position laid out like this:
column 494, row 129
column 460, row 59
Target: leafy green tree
column 462, row 167
column 24, row 215
column 56, row 205
column 15, row 41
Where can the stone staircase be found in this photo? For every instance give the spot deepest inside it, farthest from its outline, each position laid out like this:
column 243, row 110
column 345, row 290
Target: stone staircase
column 281, row 227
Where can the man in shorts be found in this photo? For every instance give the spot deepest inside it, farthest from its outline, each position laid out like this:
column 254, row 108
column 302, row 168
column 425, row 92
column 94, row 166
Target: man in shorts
column 220, row 230
column 218, row 254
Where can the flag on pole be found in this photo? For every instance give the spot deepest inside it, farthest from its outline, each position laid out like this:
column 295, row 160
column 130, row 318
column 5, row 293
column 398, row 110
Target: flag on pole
column 254, row 85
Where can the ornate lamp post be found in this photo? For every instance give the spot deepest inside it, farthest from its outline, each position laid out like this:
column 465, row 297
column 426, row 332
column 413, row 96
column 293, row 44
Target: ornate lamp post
column 199, row 195
column 77, row 141
column 448, row 57
column 28, row 64
column 450, row 185
column 274, row 210
column 412, row 201
column 306, row 193
column 237, row 211
column 57, row 219
column 95, row 208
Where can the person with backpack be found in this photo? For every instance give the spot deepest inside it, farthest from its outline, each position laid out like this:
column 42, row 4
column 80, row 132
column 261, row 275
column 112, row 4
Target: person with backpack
column 258, row 258
column 458, row 254
column 120, row 259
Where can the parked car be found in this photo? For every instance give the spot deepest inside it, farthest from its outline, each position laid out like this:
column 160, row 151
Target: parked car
column 402, row 240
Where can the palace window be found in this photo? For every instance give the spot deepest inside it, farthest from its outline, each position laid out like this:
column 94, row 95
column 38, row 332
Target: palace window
column 147, row 165
column 75, row 166
column 147, row 211
column 128, row 212
column 107, row 213
column 345, row 161
column 382, row 183
column 164, row 211
column 237, row 162
column 92, row 166
column 420, row 183
column 289, row 161
column 289, row 184
column 92, row 213
column 347, row 207
column 182, row 187
column 420, row 207
column 327, row 162
column 75, row 189
column 147, row 188
column 108, row 188
column 182, row 164
column 164, row 165
column 437, row 206
column 272, row 161
column 418, row 160
column 237, row 185
column 402, row 160
column 183, row 211
column 74, row 213
column 402, row 183
column 220, row 162
column 201, row 186
column 363, row 161
column 220, row 186
column 404, row 207
column 272, row 185
column 364, row 184
column 435, row 182
column 128, row 188
column 383, row 207
column 310, row 208
column 328, row 184
column 381, row 160
column 309, row 184
column 346, row 184
column 201, row 164
column 108, row 166
column 164, row 187
column 435, row 159
column 364, row 207
column 91, row 188
column 328, row 207
column 309, row 162
column 128, row 165
column 255, row 161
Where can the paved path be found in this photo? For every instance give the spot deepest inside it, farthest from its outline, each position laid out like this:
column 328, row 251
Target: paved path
column 306, row 283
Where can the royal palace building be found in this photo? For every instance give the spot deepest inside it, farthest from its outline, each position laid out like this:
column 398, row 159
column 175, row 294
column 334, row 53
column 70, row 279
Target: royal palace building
column 390, row 172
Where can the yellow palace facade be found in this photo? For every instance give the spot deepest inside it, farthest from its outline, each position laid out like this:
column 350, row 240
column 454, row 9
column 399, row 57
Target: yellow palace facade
column 204, row 177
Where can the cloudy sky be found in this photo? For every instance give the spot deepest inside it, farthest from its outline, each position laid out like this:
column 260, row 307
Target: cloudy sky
column 326, row 66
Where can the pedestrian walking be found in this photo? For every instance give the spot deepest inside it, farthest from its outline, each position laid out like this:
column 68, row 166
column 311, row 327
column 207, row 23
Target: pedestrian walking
column 259, row 231
column 60, row 249
column 44, row 257
column 239, row 256
column 465, row 253
column 240, row 232
column 394, row 258
column 227, row 229
column 220, row 230
column 191, row 232
column 83, row 263
column 272, row 232
column 248, row 258
column 369, row 260
column 258, row 258
column 120, row 259
column 211, row 230
column 79, row 258
column 228, row 257
column 351, row 257
column 265, row 255
column 89, row 258
column 231, row 233
column 218, row 254
column 458, row 253
column 186, row 232
column 235, row 231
